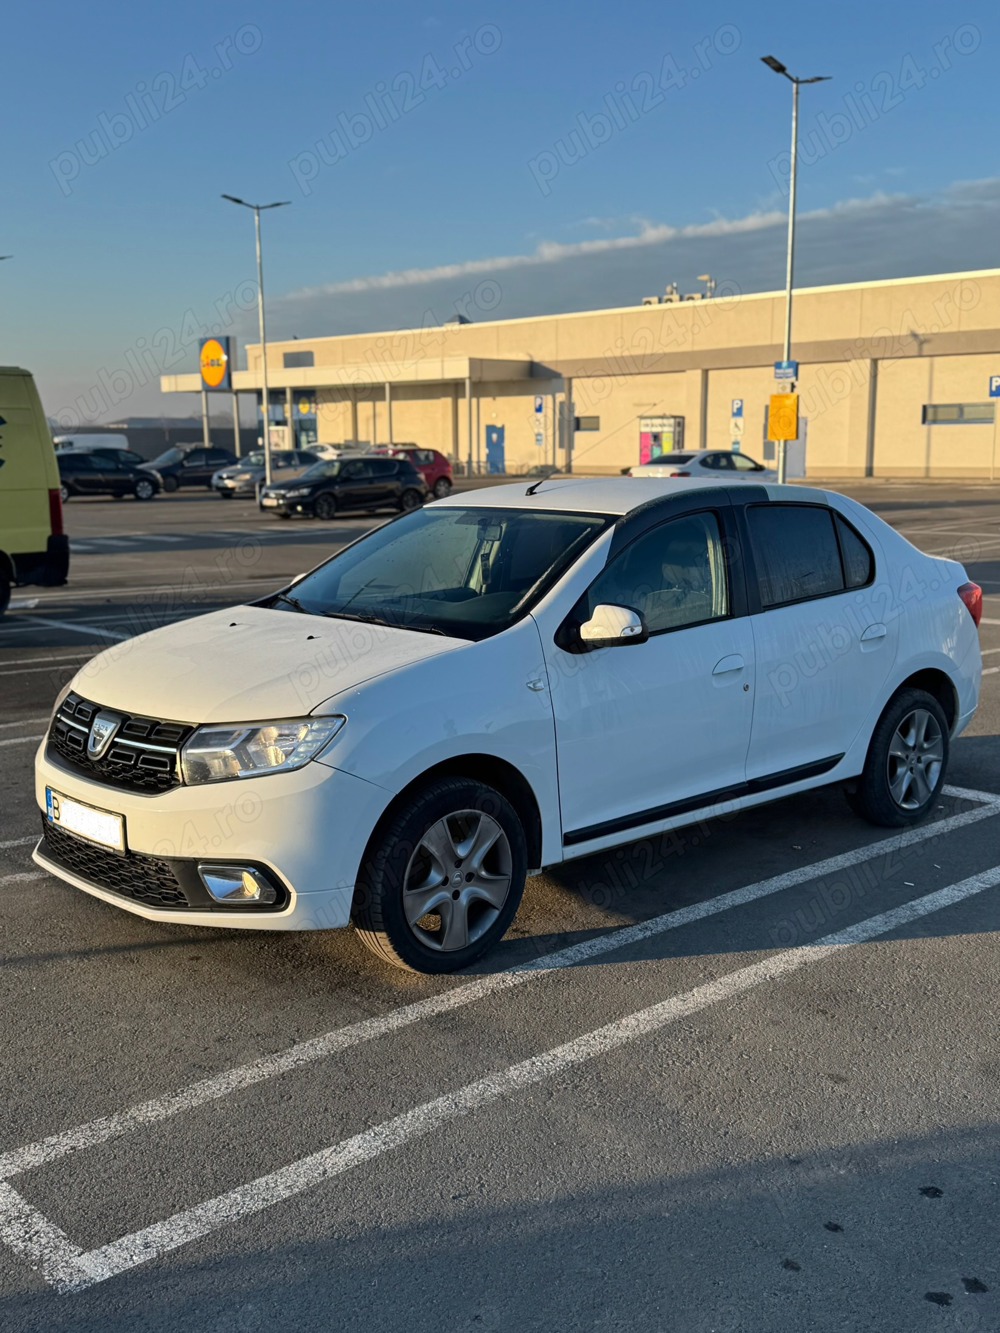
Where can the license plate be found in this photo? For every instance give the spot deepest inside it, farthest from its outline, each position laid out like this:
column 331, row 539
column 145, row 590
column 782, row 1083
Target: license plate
column 98, row 826
column 269, row 502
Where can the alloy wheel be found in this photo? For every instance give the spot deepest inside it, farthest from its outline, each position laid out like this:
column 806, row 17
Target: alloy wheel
column 913, row 765
column 457, row 880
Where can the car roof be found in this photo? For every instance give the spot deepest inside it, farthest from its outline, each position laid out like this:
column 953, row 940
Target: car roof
column 614, row 495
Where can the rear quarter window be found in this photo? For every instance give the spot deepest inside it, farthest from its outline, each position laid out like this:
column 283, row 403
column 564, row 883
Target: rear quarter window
column 859, row 561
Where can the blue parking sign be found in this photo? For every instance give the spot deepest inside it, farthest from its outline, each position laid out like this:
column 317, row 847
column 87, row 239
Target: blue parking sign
column 995, row 386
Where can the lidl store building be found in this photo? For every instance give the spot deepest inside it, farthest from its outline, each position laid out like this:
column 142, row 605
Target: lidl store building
column 895, row 380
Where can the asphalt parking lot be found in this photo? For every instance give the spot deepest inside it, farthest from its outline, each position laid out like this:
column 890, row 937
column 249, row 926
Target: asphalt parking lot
column 741, row 1077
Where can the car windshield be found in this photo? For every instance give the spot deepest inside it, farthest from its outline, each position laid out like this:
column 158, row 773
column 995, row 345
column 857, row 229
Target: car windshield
column 256, row 459
column 670, row 459
column 468, row 573
column 169, row 456
column 328, row 467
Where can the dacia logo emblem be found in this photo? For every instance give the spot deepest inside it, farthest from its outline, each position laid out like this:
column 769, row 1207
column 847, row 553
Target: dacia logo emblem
column 102, row 733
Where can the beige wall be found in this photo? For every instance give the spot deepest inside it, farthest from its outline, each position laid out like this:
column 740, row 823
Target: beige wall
column 872, row 354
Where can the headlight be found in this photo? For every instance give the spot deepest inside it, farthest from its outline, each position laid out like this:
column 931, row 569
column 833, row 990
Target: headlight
column 214, row 754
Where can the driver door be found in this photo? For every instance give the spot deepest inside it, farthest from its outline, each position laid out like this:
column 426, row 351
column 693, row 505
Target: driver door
column 645, row 730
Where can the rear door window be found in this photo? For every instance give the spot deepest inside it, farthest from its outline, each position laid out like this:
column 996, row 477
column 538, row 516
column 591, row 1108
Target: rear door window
column 796, row 550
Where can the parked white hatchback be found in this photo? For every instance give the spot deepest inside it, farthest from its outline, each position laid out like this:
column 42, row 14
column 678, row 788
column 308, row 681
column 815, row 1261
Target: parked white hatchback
column 498, row 682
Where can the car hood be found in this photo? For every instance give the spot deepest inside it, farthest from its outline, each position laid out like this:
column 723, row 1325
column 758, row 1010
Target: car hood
column 248, row 664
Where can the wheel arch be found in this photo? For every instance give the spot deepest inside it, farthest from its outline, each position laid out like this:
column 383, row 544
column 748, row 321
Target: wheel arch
column 938, row 684
column 486, row 768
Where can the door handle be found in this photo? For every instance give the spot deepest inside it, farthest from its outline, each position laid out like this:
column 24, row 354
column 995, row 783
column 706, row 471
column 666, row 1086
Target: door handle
column 734, row 662
column 874, row 632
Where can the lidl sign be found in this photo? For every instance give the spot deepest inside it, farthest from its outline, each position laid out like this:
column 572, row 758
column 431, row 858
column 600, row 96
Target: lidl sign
column 214, row 356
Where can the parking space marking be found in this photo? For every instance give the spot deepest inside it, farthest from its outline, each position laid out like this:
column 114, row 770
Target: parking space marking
column 18, row 842
column 22, row 877
column 43, row 656
column 70, row 1270
column 308, row 1052
column 24, row 722
column 22, row 740
column 78, row 629
column 990, row 671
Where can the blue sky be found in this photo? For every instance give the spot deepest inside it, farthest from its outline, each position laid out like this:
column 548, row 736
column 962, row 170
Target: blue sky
column 430, row 141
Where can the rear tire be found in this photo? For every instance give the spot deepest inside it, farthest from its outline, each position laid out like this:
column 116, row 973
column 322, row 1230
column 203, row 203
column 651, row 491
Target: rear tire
column 144, row 489
column 442, row 882
column 409, row 501
column 906, row 764
column 325, row 507
column 442, row 487
column 5, row 591
column 170, row 484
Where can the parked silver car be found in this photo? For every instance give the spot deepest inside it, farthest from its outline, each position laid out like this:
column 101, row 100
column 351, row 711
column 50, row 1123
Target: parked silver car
column 244, row 477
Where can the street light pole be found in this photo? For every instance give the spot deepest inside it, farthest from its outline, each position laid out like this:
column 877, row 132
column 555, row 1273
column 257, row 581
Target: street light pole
column 262, row 325
column 772, row 63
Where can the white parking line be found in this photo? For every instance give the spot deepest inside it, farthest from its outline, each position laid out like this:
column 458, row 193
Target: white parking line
column 24, row 722
column 42, row 656
column 22, row 740
column 370, row 1029
column 22, row 877
column 78, row 629
column 56, row 666
column 990, row 671
column 69, row 1269
column 18, row 842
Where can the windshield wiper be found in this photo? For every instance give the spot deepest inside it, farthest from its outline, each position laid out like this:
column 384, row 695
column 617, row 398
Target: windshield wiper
column 379, row 620
column 294, row 602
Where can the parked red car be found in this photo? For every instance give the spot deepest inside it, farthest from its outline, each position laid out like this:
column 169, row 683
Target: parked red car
column 432, row 466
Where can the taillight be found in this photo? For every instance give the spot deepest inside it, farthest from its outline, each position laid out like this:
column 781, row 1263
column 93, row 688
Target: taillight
column 55, row 513
column 972, row 595
column 680, row 474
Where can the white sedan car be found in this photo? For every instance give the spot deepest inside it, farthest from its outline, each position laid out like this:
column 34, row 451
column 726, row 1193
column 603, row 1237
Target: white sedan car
column 718, row 465
column 490, row 685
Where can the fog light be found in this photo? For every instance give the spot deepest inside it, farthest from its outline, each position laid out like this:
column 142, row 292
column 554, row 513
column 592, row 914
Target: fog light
column 237, row 885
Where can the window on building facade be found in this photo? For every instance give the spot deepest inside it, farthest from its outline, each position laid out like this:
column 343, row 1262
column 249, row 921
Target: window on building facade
column 957, row 414
column 298, row 360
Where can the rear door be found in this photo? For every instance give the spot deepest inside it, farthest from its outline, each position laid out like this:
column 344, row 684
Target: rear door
column 824, row 644
column 194, row 470
column 355, row 484
column 386, row 485
column 83, row 473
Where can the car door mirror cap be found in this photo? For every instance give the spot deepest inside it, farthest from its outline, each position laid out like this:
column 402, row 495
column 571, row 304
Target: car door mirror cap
column 613, row 626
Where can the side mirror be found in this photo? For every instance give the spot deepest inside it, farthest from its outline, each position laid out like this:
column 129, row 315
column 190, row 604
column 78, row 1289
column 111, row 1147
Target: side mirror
column 612, row 626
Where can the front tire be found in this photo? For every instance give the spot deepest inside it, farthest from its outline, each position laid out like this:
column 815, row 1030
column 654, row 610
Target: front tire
column 442, row 487
column 325, row 507
column 144, row 489
column 443, row 882
column 907, row 761
column 170, row 484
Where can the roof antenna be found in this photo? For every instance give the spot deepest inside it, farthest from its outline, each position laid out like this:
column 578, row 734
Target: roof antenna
column 535, row 485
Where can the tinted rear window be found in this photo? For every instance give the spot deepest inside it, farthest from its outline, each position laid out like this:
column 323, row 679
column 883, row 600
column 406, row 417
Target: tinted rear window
column 859, row 562
column 795, row 547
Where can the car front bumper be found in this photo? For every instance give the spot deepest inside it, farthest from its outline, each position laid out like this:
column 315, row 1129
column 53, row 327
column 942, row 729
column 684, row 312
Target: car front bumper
column 306, row 830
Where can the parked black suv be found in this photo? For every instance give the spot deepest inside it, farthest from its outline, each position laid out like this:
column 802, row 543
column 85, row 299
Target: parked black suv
column 190, row 467
column 335, row 485
column 96, row 474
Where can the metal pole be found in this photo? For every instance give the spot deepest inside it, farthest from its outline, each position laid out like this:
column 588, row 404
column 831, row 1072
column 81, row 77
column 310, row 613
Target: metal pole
column 555, row 428
column 468, row 411
column 263, row 353
column 388, row 412
column 206, row 433
column 290, row 418
column 237, row 449
column 570, row 424
column 790, row 271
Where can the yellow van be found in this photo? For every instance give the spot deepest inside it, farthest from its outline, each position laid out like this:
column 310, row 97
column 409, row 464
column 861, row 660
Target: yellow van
column 33, row 545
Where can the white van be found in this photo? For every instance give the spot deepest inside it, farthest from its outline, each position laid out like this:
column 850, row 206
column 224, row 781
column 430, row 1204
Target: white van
column 87, row 443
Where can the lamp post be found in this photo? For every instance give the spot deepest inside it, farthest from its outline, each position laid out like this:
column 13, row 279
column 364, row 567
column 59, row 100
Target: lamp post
column 773, row 63
column 257, row 210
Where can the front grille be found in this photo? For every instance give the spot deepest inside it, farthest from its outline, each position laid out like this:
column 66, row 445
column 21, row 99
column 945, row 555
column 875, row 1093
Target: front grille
column 142, row 757
column 143, row 879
